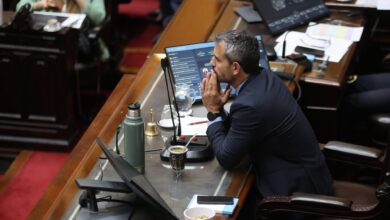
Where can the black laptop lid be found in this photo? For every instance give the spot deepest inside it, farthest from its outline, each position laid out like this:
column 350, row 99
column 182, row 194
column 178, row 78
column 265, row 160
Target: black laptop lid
column 283, row 15
column 137, row 182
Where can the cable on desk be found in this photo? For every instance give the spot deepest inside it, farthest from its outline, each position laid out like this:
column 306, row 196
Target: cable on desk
column 154, row 150
column 118, row 130
column 299, row 90
column 110, row 199
column 101, row 158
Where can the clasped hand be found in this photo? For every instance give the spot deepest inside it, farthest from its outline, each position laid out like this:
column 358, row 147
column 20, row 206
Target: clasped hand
column 213, row 97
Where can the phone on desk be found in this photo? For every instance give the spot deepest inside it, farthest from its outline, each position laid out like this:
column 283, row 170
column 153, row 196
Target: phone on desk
column 215, row 200
column 307, row 50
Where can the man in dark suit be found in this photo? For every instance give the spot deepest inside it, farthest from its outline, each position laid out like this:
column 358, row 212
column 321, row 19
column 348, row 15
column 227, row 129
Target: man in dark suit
column 264, row 123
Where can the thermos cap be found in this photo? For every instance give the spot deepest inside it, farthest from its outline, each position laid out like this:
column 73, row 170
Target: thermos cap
column 134, row 109
column 134, row 106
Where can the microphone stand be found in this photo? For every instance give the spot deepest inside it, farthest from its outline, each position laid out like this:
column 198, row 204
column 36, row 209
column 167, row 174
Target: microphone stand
column 164, row 65
column 197, row 150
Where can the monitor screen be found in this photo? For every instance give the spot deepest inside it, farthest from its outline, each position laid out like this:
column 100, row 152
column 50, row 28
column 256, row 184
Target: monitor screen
column 137, row 183
column 282, row 15
column 188, row 61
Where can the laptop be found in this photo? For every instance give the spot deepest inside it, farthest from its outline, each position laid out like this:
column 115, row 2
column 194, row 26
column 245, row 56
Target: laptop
column 137, row 183
column 280, row 16
column 187, row 62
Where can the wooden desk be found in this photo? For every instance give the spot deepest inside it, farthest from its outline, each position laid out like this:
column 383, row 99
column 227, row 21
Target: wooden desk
column 36, row 95
column 58, row 197
column 321, row 93
column 62, row 190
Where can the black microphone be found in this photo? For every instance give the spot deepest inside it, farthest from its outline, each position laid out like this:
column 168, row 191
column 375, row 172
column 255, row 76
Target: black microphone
column 166, row 70
column 284, row 45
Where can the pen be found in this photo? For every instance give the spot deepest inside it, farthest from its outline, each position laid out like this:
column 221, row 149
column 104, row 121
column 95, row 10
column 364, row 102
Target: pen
column 198, row 122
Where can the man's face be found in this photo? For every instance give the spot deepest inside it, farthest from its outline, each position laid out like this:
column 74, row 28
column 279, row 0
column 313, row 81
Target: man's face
column 220, row 64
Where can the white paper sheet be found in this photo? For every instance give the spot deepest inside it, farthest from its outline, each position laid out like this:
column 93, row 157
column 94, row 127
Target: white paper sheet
column 198, row 126
column 335, row 31
column 366, row 3
column 383, row 5
column 73, row 20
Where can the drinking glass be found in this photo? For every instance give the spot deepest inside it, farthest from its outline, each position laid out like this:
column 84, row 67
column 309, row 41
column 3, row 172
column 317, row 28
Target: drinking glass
column 185, row 97
column 177, row 158
column 166, row 117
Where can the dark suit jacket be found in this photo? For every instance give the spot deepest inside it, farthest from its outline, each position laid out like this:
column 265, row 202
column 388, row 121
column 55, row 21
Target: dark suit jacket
column 266, row 123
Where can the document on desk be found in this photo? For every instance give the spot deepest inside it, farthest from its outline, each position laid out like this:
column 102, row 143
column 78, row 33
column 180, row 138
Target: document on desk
column 72, row 20
column 335, row 31
column 379, row 4
column 366, row 3
column 193, row 125
column 383, row 5
column 334, row 48
column 221, row 209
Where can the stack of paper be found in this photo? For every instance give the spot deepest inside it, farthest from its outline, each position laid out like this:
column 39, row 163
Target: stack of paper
column 221, row 209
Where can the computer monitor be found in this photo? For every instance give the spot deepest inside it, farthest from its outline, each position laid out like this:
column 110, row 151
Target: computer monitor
column 282, row 15
column 137, row 183
column 188, row 61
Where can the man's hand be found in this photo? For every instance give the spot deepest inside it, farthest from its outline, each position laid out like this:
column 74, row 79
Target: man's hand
column 212, row 96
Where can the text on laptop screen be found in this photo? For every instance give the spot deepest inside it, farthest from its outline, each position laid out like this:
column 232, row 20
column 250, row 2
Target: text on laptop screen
column 188, row 61
column 282, row 15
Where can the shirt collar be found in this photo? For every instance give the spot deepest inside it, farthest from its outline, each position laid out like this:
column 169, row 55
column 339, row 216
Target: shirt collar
column 239, row 87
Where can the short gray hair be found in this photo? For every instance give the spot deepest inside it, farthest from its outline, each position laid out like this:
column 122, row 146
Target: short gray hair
column 242, row 48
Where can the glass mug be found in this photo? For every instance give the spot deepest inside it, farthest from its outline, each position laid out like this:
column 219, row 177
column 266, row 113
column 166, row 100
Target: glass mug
column 185, row 97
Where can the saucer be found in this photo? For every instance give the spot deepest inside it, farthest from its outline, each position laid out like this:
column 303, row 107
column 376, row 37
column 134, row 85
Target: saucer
column 344, row 1
column 166, row 123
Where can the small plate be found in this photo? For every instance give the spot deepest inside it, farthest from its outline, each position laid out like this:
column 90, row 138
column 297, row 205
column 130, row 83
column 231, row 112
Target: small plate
column 344, row 1
column 166, row 123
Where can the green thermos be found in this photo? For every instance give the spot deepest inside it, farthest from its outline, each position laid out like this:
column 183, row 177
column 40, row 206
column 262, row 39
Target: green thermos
column 134, row 137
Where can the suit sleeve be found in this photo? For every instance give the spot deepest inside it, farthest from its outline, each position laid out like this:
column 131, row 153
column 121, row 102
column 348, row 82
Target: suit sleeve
column 233, row 139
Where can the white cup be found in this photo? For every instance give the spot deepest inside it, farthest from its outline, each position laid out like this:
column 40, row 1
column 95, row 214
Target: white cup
column 198, row 213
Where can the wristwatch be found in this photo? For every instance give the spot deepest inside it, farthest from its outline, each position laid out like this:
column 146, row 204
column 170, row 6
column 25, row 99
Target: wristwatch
column 211, row 116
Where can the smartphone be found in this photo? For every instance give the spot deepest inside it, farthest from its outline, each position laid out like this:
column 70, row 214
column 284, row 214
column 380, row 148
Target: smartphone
column 226, row 200
column 307, row 50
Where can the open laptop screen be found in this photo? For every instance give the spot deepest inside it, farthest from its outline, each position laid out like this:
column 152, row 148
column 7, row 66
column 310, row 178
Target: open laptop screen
column 188, row 61
column 137, row 183
column 282, row 15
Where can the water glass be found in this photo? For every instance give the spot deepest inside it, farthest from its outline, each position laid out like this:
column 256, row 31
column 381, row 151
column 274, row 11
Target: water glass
column 185, row 97
column 166, row 117
column 177, row 158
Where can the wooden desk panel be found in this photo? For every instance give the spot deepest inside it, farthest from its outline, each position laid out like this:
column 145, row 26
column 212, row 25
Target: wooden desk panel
column 36, row 89
column 191, row 24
